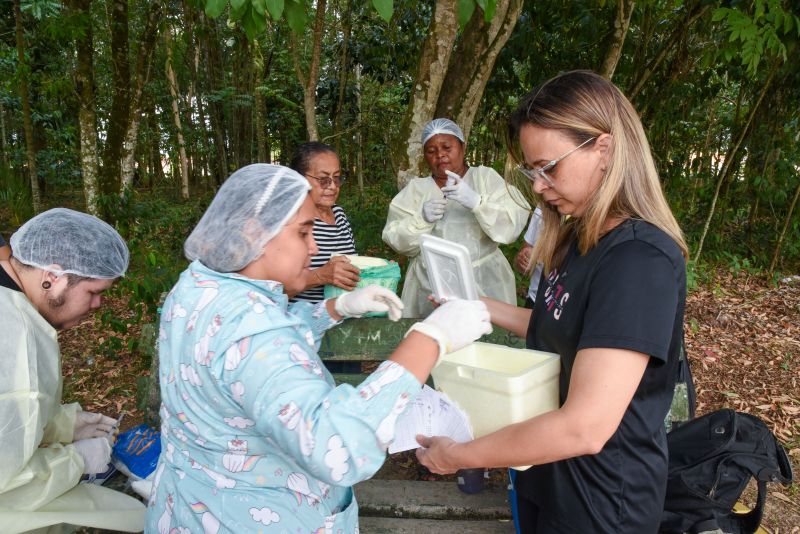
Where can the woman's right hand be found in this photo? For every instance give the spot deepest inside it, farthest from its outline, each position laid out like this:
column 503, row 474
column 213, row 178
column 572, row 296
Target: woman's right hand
column 438, row 454
column 338, row 272
column 522, row 261
column 433, row 210
column 461, row 322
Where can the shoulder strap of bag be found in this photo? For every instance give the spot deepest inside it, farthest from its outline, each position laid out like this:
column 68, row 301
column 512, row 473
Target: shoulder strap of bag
column 685, row 376
column 746, row 523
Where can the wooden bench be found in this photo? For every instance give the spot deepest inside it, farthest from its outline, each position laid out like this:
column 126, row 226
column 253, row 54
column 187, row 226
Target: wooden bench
column 369, row 341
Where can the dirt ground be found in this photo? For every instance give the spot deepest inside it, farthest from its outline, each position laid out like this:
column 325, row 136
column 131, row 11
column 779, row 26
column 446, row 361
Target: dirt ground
column 742, row 339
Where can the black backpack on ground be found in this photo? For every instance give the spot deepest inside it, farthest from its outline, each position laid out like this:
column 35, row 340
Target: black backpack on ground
column 711, row 460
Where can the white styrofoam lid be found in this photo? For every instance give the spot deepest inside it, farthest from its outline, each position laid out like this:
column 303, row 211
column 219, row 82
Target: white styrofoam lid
column 449, row 268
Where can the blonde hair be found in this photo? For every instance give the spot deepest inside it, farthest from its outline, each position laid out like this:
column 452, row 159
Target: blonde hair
column 582, row 105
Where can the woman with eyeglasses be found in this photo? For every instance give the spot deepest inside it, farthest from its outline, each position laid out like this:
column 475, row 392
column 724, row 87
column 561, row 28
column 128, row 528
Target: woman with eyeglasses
column 466, row 204
column 319, row 163
column 611, row 304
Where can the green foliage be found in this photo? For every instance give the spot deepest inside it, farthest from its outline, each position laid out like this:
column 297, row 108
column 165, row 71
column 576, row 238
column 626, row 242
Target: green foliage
column 40, row 9
column 738, row 265
column 752, row 35
column 465, row 10
column 251, row 13
column 367, row 215
column 154, row 228
column 384, row 8
column 275, row 8
column 15, row 195
column 214, row 8
column 296, row 16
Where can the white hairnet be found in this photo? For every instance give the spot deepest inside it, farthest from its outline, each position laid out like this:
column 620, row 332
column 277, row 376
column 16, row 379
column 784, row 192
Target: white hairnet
column 441, row 126
column 249, row 209
column 79, row 243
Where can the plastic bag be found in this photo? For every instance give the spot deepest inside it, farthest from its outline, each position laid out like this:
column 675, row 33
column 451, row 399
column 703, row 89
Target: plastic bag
column 136, row 451
column 387, row 276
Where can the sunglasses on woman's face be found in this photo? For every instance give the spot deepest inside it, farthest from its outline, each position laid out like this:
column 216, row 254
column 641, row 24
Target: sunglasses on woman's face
column 326, row 181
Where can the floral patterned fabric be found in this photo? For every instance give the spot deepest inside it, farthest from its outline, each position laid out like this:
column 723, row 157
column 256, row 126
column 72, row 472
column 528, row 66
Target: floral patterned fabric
column 255, row 437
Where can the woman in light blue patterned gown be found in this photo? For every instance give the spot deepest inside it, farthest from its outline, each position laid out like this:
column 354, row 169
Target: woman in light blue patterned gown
column 255, row 436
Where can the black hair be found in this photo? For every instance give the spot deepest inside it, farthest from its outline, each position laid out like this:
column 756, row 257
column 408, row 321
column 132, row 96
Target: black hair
column 303, row 154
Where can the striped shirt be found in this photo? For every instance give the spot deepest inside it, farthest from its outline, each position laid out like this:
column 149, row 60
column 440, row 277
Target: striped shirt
column 330, row 238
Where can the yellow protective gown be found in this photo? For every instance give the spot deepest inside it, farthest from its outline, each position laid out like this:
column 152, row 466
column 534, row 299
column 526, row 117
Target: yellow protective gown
column 39, row 468
column 499, row 217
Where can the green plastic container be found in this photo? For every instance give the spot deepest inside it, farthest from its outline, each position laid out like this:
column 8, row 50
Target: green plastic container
column 387, row 276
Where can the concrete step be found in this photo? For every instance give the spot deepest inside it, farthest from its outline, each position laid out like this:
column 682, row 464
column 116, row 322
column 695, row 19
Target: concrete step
column 387, row 525
column 429, row 500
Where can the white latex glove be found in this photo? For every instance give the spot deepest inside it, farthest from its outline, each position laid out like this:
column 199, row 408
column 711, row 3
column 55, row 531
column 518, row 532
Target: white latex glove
column 455, row 324
column 96, row 453
column 93, row 425
column 433, row 210
column 143, row 487
column 461, row 192
column 369, row 299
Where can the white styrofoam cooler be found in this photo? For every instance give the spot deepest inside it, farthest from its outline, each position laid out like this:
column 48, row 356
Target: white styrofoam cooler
column 498, row 385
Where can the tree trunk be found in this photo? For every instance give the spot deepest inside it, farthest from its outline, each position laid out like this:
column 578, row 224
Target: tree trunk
column 143, row 62
column 704, row 156
column 309, row 82
column 216, row 112
column 172, row 81
column 87, row 116
column 359, row 142
column 23, row 71
column 622, row 21
column 262, row 68
column 260, row 109
column 431, row 72
column 154, row 146
column 120, row 99
column 472, row 63
column 239, row 118
column 201, row 145
column 730, row 156
column 343, row 72
column 3, row 136
column 786, row 224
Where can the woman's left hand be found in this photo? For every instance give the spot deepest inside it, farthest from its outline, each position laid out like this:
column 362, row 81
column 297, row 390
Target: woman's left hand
column 338, row 272
column 438, row 454
column 462, row 193
column 369, row 299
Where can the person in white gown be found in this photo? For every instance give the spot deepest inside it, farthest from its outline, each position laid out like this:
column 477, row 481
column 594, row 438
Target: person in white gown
column 475, row 208
column 62, row 262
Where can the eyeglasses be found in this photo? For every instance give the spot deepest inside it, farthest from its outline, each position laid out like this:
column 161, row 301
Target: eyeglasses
column 541, row 172
column 326, row 181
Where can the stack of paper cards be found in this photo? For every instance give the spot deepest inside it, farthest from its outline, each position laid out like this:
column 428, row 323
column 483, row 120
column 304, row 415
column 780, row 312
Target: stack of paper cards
column 432, row 413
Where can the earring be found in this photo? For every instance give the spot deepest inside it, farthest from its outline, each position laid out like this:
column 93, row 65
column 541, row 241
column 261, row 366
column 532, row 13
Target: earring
column 46, row 285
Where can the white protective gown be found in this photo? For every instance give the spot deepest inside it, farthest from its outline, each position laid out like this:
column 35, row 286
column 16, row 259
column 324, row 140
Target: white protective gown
column 39, row 468
column 499, row 217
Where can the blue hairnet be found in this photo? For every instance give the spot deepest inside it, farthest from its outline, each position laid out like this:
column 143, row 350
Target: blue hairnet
column 441, row 126
column 249, row 209
column 79, row 243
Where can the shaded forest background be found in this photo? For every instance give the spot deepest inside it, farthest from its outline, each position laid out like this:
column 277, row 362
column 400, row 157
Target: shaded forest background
column 137, row 111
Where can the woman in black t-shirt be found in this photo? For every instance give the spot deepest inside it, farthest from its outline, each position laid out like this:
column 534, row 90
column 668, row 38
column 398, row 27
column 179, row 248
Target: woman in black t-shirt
column 610, row 303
